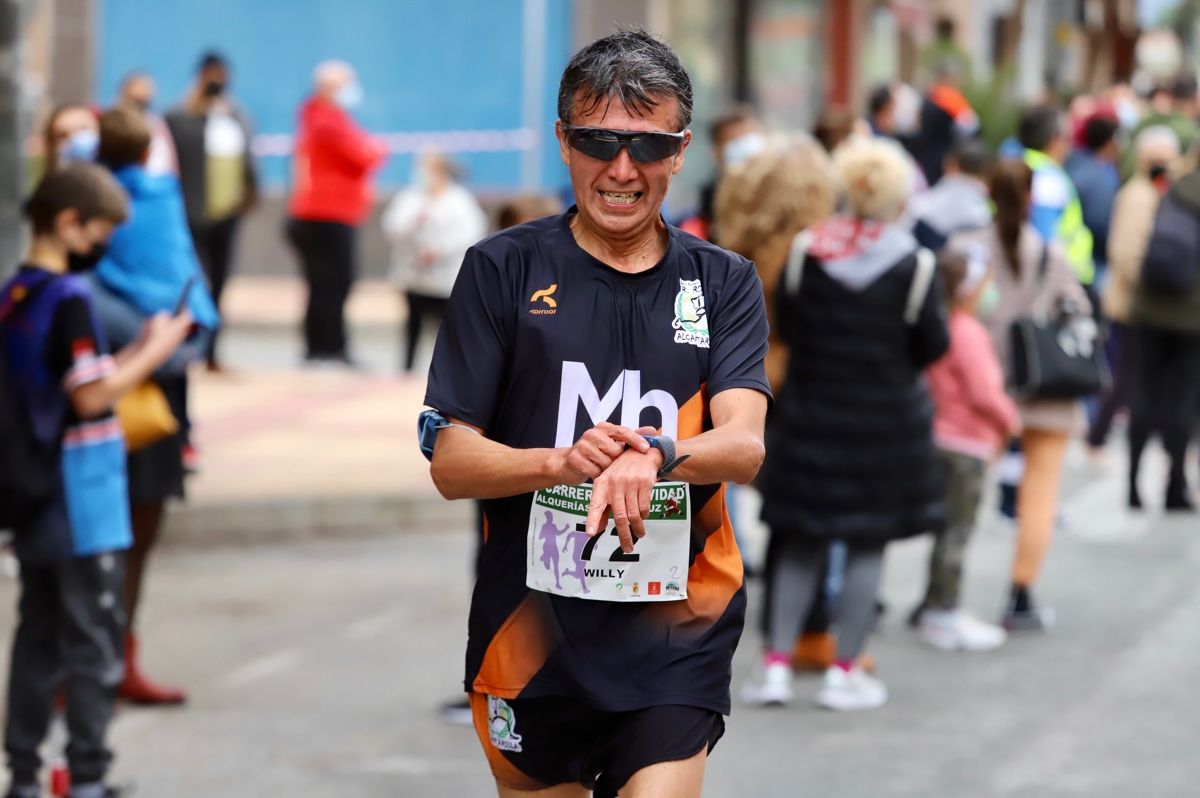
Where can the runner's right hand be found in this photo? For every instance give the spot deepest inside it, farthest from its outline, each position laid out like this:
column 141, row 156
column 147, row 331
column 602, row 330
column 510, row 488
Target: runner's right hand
column 595, row 451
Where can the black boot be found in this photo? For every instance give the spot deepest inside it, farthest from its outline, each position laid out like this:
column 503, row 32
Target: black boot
column 1022, row 614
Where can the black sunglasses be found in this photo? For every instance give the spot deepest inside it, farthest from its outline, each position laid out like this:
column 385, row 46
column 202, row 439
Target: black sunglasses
column 604, row 144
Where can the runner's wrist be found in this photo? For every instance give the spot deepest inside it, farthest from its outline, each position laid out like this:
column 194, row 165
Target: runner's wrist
column 656, row 457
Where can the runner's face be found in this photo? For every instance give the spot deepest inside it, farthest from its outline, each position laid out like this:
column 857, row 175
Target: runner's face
column 620, row 198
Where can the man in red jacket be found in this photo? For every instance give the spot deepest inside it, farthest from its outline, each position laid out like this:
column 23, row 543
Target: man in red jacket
column 331, row 196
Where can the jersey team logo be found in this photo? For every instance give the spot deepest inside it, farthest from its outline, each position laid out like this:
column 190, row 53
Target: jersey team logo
column 546, row 296
column 691, row 322
column 502, row 725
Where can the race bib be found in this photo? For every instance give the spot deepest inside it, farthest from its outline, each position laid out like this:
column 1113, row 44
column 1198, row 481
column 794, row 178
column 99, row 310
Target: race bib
column 563, row 560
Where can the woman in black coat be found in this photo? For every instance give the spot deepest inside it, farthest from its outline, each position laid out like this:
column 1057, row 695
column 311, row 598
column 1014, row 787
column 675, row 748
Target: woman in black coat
column 850, row 453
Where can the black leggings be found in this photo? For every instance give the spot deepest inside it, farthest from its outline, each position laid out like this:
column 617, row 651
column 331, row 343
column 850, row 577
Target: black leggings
column 420, row 308
column 1120, row 351
column 1166, row 392
column 327, row 259
column 214, row 248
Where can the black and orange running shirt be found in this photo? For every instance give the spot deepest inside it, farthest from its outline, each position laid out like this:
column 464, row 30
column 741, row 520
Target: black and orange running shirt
column 541, row 342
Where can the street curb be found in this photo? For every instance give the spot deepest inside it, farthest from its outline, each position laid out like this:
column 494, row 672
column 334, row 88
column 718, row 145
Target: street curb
column 312, row 517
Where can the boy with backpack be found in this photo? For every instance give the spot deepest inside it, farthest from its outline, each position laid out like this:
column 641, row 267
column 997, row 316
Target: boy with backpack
column 62, row 476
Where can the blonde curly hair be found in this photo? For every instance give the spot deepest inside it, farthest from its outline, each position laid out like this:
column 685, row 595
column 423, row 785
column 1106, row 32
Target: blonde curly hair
column 774, row 195
column 763, row 203
column 876, row 176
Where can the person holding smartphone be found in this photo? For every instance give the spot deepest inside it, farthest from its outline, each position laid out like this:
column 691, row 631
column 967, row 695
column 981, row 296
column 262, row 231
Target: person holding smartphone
column 152, row 265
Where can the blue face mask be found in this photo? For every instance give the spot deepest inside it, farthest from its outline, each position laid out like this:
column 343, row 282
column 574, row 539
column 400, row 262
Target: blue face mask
column 349, row 96
column 82, row 145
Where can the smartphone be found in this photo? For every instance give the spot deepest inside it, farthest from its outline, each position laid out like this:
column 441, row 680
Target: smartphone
column 183, row 296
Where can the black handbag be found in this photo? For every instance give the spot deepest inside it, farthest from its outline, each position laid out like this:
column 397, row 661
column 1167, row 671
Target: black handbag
column 1056, row 358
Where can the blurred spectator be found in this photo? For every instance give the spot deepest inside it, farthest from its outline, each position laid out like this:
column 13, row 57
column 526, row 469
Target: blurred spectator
column 137, row 91
column 854, row 388
column 761, row 206
column 959, row 202
column 944, row 52
column 1056, row 213
column 331, row 197
column 72, row 133
column 1175, row 106
column 1093, row 170
column 430, row 225
column 945, row 118
column 150, row 263
column 881, row 111
column 1166, row 384
column 216, row 167
column 1157, row 151
column 892, row 112
column 974, row 420
column 736, row 136
column 1032, row 276
column 833, row 127
column 71, row 541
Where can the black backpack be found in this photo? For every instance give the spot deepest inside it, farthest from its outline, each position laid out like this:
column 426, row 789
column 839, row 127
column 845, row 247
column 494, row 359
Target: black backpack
column 29, row 468
column 1172, row 260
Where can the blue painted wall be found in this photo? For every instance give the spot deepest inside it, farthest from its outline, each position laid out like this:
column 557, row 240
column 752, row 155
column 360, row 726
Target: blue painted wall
column 425, row 65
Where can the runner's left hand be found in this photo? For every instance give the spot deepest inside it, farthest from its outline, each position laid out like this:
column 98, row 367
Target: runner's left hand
column 624, row 488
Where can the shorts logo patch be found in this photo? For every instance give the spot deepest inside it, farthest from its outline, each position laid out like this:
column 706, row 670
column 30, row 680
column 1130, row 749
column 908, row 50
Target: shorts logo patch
column 691, row 321
column 502, row 725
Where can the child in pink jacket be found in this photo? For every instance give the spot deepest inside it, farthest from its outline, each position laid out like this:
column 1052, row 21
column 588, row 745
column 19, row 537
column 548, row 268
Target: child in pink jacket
column 973, row 421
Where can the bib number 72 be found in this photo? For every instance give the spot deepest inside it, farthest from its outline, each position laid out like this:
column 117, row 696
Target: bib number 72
column 617, row 556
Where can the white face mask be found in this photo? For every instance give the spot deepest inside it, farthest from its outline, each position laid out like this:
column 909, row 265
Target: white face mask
column 1127, row 114
column 743, row 148
column 349, row 96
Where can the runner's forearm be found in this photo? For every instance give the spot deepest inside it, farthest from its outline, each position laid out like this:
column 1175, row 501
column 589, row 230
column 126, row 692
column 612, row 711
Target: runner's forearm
column 733, row 449
column 725, row 454
column 470, row 466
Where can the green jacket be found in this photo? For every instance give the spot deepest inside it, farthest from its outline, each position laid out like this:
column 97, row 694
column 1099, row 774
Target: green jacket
column 1166, row 310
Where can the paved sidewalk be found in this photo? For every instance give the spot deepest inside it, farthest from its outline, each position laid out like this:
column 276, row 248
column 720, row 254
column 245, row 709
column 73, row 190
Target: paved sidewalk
column 292, row 452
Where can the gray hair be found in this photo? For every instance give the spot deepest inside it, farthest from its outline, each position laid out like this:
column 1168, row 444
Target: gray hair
column 630, row 66
column 1156, row 137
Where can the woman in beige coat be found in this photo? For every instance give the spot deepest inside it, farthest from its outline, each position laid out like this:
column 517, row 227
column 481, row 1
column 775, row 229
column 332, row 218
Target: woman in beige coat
column 1157, row 151
column 1015, row 251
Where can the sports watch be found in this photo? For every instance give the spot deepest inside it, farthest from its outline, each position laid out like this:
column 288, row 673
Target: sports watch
column 666, row 445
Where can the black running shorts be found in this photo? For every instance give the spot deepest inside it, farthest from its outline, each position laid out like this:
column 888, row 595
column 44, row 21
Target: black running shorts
column 536, row 743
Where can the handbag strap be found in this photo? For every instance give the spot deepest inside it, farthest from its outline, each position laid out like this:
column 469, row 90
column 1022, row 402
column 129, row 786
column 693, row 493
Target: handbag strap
column 919, row 288
column 794, row 272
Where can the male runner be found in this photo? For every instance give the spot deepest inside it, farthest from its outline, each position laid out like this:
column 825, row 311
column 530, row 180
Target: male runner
column 604, row 345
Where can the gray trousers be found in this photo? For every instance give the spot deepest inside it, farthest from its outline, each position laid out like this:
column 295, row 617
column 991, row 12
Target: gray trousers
column 70, row 635
column 796, row 575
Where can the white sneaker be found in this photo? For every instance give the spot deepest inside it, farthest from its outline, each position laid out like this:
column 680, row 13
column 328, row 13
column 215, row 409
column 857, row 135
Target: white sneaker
column 775, row 689
column 955, row 630
column 847, row 691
